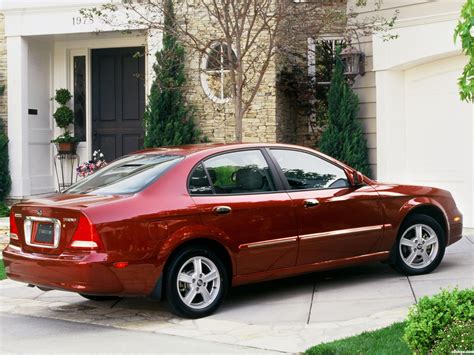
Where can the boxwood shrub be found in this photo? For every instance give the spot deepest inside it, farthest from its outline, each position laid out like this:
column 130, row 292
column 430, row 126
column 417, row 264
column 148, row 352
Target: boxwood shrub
column 64, row 116
column 428, row 320
column 459, row 336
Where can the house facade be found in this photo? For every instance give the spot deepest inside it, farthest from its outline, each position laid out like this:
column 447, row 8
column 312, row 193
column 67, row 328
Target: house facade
column 417, row 129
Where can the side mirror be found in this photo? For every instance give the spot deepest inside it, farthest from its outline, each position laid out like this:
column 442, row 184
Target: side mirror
column 357, row 179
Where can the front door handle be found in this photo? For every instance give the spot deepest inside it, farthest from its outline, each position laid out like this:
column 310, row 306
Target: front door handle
column 222, row 210
column 311, row 202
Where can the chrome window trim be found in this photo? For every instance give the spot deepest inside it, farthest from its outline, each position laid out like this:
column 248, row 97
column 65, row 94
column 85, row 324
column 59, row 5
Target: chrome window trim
column 27, row 227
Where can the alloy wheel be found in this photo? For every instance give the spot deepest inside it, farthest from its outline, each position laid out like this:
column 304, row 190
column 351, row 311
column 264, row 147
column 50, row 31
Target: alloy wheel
column 198, row 282
column 419, row 246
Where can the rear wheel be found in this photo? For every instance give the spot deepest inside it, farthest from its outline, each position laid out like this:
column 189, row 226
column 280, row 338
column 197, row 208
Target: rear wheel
column 420, row 245
column 196, row 282
column 99, row 298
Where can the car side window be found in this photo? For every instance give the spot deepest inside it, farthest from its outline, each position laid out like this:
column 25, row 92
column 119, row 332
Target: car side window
column 239, row 172
column 307, row 171
column 199, row 183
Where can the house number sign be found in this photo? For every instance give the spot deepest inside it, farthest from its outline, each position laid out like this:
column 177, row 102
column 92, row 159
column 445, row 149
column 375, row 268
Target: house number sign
column 78, row 21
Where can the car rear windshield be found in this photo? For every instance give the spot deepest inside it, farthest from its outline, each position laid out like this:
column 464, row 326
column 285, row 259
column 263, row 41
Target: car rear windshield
column 127, row 175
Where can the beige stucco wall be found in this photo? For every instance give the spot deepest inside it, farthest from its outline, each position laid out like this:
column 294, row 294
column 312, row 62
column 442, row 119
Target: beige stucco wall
column 293, row 125
column 409, row 11
column 364, row 87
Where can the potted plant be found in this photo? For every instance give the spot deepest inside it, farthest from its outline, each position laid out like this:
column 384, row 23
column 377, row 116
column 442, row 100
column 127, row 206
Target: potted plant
column 64, row 116
column 89, row 167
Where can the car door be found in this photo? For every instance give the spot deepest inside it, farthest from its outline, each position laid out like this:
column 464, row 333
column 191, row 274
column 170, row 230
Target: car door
column 335, row 220
column 240, row 199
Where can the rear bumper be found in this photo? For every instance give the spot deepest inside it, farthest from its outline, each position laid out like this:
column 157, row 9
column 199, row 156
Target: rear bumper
column 89, row 273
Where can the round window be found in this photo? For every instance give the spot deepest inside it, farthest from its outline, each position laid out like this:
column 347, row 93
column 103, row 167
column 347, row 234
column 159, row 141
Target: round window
column 216, row 66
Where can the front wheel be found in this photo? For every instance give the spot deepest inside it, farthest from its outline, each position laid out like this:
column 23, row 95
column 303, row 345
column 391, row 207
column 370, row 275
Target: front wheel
column 420, row 245
column 195, row 283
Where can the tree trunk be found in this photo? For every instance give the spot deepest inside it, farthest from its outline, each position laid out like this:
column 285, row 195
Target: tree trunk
column 238, row 104
column 238, row 118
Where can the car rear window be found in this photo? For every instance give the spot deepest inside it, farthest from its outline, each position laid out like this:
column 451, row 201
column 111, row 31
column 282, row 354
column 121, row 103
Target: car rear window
column 127, row 175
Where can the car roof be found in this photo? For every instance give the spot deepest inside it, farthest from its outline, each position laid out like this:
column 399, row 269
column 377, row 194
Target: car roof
column 211, row 147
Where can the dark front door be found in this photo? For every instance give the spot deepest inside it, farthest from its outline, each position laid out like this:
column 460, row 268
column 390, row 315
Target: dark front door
column 118, row 100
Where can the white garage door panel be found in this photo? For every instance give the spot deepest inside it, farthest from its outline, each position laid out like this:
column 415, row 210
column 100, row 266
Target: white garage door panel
column 439, row 131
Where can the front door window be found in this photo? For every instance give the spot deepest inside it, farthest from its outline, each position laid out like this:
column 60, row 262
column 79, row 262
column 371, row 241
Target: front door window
column 307, row 171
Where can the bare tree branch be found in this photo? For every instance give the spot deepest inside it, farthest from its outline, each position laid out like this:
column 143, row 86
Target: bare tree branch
column 250, row 31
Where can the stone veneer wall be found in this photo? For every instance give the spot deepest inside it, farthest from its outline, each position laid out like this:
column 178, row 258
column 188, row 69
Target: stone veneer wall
column 3, row 70
column 273, row 117
column 215, row 120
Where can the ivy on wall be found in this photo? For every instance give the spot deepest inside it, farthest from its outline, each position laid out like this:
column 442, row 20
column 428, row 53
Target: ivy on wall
column 465, row 32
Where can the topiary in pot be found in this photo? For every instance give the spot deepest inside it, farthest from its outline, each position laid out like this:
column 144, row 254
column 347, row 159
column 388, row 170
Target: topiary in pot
column 66, row 143
column 64, row 116
column 62, row 96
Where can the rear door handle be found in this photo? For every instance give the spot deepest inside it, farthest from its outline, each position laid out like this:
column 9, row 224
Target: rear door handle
column 222, row 209
column 311, row 202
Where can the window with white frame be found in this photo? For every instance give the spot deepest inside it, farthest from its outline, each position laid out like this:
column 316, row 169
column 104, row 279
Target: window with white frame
column 215, row 77
column 321, row 60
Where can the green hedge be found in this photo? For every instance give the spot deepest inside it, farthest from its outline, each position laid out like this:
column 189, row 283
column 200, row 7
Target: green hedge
column 429, row 320
column 457, row 337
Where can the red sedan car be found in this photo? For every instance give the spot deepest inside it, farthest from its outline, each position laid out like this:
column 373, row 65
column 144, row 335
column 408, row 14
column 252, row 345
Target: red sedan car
column 189, row 222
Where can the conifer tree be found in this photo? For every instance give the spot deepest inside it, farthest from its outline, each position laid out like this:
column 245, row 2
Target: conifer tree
column 168, row 119
column 344, row 138
column 5, row 181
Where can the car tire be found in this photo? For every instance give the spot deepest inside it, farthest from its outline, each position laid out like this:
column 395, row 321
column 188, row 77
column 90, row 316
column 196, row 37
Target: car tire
column 420, row 245
column 99, row 298
column 196, row 282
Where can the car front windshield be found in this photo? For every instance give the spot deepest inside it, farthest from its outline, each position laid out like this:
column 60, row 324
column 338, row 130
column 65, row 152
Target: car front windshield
column 127, row 175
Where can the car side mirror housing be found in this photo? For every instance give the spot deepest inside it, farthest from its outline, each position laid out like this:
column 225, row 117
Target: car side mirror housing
column 357, row 179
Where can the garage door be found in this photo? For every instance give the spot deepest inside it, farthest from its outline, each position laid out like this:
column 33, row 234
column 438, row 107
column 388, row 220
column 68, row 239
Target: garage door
column 440, row 132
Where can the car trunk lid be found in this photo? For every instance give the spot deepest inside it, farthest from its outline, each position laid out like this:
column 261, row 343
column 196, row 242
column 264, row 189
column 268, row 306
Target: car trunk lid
column 47, row 225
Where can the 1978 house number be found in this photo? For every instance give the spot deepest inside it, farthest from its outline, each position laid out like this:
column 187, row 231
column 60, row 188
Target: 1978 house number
column 78, row 20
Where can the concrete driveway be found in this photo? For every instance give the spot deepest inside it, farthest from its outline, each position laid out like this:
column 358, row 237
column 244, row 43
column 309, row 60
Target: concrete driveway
column 287, row 315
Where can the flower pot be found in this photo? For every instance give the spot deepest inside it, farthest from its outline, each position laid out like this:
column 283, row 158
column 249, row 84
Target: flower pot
column 66, row 148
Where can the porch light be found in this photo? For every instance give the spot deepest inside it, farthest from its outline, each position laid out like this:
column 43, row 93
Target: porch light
column 354, row 62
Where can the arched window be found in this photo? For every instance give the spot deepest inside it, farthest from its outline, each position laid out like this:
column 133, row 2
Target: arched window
column 215, row 77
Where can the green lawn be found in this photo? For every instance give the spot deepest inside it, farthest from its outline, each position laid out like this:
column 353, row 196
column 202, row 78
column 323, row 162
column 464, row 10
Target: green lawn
column 384, row 341
column 2, row 271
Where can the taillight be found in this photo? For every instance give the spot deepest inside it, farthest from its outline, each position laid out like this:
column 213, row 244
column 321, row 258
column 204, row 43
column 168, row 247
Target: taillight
column 13, row 226
column 86, row 236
